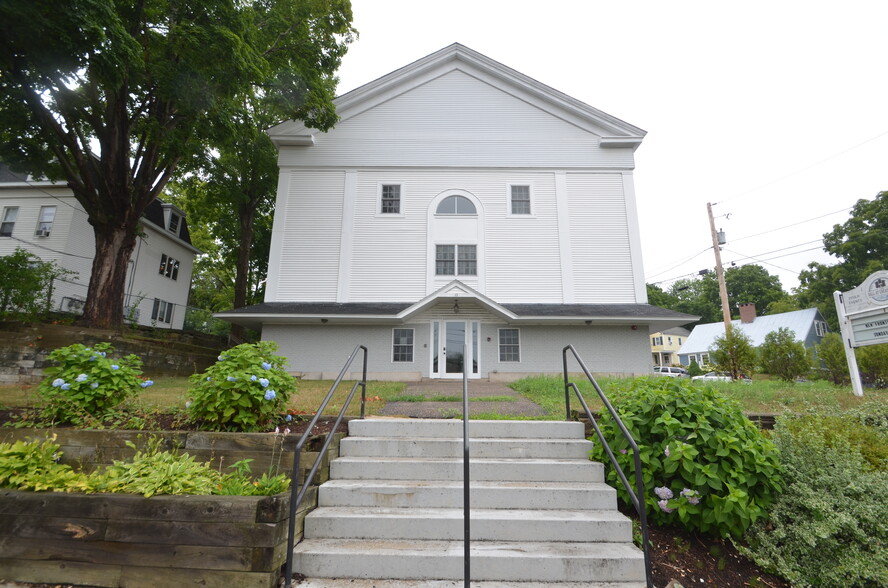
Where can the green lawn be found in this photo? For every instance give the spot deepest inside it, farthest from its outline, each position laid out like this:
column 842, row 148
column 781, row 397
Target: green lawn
column 759, row 396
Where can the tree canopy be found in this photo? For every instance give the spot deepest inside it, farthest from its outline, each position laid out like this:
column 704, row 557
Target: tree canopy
column 110, row 96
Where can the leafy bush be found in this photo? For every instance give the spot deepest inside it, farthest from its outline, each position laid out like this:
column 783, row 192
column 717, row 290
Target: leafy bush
column 87, row 383
column 873, row 364
column 831, row 353
column 694, row 369
column 829, row 528
column 734, row 353
column 783, row 356
column 705, row 465
column 244, row 390
column 34, row 466
column 26, row 284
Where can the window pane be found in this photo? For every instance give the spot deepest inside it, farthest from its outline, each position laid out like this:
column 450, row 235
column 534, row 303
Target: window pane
column 509, row 348
column 468, row 265
column 391, row 199
column 520, row 199
column 444, row 260
column 8, row 224
column 163, row 265
column 456, row 205
column 402, row 348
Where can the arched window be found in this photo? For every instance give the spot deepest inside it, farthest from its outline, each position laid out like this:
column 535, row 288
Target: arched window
column 456, row 205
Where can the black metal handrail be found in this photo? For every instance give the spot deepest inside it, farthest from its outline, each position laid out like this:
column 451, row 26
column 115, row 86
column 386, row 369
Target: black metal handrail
column 636, row 497
column 467, row 575
column 296, row 495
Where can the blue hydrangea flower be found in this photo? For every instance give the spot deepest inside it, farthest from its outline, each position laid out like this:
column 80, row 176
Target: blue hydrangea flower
column 664, row 506
column 81, row 378
column 692, row 496
column 266, row 365
column 115, row 367
column 663, row 492
column 57, row 382
column 147, row 383
column 289, row 418
column 231, row 379
column 208, row 378
column 253, row 378
column 263, row 382
column 270, row 394
column 221, row 358
column 666, row 451
column 65, row 386
column 94, row 385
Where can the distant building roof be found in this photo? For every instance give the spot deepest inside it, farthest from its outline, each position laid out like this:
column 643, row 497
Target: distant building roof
column 678, row 331
column 7, row 175
column 702, row 338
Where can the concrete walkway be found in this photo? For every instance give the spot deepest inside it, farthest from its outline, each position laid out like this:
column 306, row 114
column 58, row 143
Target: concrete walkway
column 517, row 406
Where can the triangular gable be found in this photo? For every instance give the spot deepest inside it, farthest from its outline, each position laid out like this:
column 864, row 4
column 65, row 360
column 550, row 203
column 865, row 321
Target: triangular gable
column 612, row 131
column 455, row 291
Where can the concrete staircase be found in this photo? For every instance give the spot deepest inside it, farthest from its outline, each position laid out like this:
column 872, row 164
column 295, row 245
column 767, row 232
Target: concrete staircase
column 541, row 515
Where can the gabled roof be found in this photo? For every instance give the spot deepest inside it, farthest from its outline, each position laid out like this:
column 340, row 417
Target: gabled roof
column 800, row 322
column 614, row 132
column 653, row 317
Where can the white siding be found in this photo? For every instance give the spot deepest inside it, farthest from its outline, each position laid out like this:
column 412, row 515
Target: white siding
column 603, row 270
column 457, row 119
column 310, row 235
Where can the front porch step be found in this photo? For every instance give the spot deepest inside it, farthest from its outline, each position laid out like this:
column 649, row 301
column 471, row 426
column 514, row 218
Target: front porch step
column 521, row 561
column 577, row 526
column 478, row 448
column 481, row 469
column 449, row 494
column 541, row 515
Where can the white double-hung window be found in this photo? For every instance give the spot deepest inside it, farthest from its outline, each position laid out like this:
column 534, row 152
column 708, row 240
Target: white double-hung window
column 456, row 260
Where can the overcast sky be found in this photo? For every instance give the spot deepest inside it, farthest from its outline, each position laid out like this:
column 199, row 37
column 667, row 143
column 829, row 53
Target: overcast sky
column 774, row 111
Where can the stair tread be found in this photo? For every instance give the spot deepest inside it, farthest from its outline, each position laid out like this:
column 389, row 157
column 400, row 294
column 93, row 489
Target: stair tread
column 479, row 549
column 474, row 513
column 375, row 583
column 479, row 484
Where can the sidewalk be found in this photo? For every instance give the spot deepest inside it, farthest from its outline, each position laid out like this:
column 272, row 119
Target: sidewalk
column 478, row 389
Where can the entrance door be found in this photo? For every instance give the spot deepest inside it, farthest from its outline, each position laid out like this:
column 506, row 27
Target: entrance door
column 454, row 347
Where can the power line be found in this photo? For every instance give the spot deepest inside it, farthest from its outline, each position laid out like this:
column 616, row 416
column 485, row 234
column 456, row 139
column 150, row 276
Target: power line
column 681, row 262
column 804, row 169
column 792, row 225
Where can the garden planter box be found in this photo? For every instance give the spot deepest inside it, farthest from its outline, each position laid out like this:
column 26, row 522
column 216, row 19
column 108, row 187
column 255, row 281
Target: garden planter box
column 131, row 541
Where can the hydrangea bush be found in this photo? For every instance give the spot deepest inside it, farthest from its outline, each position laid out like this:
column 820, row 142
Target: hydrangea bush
column 88, row 383
column 244, row 391
column 705, row 465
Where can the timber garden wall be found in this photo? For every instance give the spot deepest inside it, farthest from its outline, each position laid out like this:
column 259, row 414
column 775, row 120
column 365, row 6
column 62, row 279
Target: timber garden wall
column 131, row 541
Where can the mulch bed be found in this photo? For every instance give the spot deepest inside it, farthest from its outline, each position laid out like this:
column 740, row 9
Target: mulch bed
column 690, row 559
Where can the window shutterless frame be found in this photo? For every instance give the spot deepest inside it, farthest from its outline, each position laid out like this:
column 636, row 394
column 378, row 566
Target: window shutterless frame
column 519, row 200
column 390, row 199
column 10, row 214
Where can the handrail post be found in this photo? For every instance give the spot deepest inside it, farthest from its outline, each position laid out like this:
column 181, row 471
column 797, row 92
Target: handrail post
column 638, row 495
column 295, row 495
column 566, row 387
column 467, row 577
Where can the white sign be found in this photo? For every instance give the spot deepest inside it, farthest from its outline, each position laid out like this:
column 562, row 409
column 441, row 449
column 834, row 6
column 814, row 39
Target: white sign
column 872, row 294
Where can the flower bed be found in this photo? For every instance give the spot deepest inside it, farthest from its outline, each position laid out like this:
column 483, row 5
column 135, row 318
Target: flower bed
column 129, row 540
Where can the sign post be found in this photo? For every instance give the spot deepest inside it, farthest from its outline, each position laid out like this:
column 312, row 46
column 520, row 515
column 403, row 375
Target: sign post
column 863, row 317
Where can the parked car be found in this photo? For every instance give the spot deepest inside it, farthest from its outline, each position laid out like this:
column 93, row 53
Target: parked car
column 670, row 372
column 719, row 377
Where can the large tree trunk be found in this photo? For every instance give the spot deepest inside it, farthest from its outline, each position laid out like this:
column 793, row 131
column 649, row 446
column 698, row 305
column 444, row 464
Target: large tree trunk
column 104, row 300
column 247, row 213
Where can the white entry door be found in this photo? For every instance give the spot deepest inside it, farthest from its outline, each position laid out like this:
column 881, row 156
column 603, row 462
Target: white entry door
column 454, row 347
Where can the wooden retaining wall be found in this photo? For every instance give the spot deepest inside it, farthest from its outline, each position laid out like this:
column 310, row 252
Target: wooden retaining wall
column 123, row 540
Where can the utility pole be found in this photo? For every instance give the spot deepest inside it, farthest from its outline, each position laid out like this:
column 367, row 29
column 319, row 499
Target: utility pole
column 720, row 273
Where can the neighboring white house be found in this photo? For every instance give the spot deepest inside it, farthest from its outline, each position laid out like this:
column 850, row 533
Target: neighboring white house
column 45, row 219
column 808, row 326
column 460, row 214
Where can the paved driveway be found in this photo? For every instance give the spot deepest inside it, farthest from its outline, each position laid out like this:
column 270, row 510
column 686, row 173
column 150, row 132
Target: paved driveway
column 518, row 406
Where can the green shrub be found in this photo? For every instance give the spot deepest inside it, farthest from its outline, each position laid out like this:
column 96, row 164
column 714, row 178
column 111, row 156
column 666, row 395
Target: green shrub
column 831, row 353
column 783, row 356
column 705, row 465
column 829, row 528
column 26, row 284
column 245, row 390
column 734, row 353
column 87, row 383
column 34, row 466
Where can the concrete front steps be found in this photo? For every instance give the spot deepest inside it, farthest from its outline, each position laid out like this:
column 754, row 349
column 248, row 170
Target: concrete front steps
column 541, row 515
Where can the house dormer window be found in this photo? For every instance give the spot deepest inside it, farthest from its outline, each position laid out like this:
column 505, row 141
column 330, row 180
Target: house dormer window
column 174, row 223
column 390, row 199
column 456, row 205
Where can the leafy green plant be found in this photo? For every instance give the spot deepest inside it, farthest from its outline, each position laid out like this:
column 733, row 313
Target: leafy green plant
column 87, row 383
column 241, row 482
column 829, row 528
column 26, row 284
column 831, row 353
column 734, row 353
column 783, row 356
column 705, row 465
column 245, row 390
column 29, row 465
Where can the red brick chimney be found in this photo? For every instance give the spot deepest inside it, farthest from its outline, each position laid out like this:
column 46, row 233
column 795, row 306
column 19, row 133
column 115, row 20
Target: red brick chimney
column 747, row 312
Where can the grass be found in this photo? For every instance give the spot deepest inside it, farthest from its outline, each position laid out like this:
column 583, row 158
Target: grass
column 759, row 396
